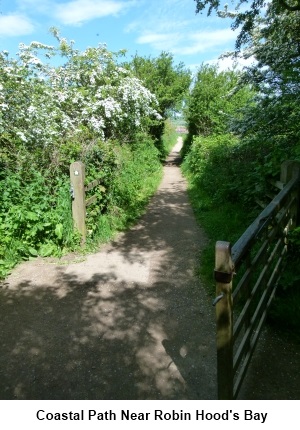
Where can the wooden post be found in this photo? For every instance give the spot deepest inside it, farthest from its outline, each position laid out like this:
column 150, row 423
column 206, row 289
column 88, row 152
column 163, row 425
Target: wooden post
column 77, row 176
column 290, row 169
column 224, row 314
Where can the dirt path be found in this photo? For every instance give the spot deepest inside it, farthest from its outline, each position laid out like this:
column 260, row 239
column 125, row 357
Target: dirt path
column 129, row 322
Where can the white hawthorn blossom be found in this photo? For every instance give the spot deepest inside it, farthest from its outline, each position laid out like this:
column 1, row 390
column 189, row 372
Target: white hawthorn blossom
column 40, row 103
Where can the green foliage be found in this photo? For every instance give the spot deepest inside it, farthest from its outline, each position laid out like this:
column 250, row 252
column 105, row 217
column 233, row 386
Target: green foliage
column 137, row 177
column 268, row 125
column 225, row 179
column 220, row 220
column 285, row 310
column 126, row 185
column 35, row 207
column 273, row 119
column 215, row 176
column 90, row 109
column 168, row 81
column 167, row 140
column 266, row 129
column 218, row 166
column 214, row 102
column 35, row 217
column 246, row 13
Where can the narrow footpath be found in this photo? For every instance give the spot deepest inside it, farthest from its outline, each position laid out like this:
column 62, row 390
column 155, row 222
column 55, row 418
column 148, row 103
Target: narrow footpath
column 129, row 322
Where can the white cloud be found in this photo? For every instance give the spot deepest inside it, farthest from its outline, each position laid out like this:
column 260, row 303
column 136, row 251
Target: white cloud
column 205, row 41
column 188, row 43
column 35, row 5
column 15, row 25
column 78, row 11
column 225, row 63
column 160, row 41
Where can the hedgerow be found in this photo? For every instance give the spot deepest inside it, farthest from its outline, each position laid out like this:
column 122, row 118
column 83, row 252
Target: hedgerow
column 89, row 108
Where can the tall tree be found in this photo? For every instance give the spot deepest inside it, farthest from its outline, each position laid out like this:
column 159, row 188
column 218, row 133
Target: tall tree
column 246, row 13
column 275, row 75
column 270, row 34
column 167, row 80
column 213, row 101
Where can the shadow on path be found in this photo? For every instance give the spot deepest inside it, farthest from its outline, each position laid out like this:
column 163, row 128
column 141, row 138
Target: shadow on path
column 130, row 322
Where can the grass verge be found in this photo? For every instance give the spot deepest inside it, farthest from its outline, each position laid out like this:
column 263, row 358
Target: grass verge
column 227, row 221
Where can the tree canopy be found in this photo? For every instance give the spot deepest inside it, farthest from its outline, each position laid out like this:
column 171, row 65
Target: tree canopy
column 167, row 80
column 213, row 102
column 270, row 36
column 246, row 13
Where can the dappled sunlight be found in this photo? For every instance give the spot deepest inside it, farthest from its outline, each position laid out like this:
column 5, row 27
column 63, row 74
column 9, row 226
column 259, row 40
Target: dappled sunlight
column 99, row 341
column 127, row 322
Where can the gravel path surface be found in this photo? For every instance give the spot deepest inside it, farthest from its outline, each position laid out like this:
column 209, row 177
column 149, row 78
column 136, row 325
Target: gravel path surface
column 129, row 322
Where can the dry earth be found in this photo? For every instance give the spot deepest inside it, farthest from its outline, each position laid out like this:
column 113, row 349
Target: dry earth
column 131, row 321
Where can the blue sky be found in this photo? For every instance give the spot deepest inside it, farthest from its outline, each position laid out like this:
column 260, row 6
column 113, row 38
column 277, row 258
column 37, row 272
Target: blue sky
column 146, row 27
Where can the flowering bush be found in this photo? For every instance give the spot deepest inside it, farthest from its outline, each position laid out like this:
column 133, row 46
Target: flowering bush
column 50, row 116
column 42, row 105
